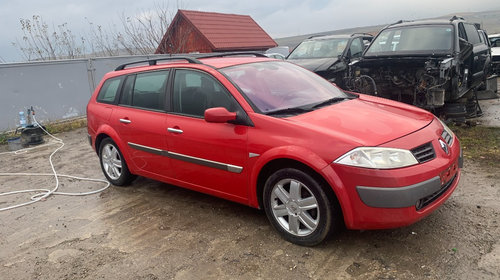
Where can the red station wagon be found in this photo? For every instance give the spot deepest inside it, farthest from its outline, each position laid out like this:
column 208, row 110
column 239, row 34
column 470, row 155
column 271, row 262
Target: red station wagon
column 272, row 135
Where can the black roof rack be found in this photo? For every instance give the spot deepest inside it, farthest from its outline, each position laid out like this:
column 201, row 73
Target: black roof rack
column 155, row 61
column 191, row 58
column 256, row 54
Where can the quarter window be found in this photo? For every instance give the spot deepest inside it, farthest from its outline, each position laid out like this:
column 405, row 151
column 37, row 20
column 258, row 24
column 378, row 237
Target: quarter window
column 195, row 91
column 108, row 90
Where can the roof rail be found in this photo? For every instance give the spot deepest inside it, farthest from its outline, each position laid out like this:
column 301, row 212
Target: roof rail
column 318, row 35
column 456, row 17
column 361, row 33
column 155, row 61
column 256, row 54
column 397, row 22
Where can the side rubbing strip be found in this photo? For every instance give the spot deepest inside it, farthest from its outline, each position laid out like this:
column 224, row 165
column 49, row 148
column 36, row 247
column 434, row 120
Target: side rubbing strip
column 195, row 160
column 146, row 149
column 206, row 162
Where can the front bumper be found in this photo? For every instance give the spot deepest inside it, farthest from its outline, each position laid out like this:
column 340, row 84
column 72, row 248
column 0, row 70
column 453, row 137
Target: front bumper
column 495, row 65
column 400, row 197
column 379, row 199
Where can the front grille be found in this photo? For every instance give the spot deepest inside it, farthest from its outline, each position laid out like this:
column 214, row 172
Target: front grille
column 447, row 137
column 431, row 198
column 495, row 58
column 424, row 152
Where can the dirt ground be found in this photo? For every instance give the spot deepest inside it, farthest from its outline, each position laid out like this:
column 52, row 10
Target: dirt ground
column 152, row 230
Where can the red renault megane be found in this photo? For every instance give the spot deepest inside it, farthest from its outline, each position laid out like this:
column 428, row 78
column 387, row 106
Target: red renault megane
column 272, row 135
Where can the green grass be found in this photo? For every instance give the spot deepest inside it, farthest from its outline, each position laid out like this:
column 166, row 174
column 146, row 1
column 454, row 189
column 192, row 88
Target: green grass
column 52, row 128
column 480, row 144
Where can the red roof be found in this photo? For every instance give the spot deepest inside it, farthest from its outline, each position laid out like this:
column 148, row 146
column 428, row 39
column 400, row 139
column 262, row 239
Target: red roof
column 227, row 31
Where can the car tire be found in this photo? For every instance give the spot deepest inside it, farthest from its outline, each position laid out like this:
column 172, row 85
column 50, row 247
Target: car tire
column 298, row 207
column 113, row 164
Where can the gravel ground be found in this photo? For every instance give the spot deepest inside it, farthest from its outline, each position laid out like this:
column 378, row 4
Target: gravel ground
column 152, row 230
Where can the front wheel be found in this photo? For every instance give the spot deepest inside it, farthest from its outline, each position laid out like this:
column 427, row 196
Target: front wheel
column 113, row 164
column 298, row 207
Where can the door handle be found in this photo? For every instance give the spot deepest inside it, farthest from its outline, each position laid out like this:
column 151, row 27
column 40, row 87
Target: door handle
column 125, row 121
column 174, row 130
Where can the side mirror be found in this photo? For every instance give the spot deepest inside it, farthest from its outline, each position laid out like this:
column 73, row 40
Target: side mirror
column 219, row 115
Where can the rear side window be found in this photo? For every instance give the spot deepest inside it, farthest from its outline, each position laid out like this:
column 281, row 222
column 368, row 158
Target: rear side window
column 145, row 90
column 108, row 91
column 472, row 34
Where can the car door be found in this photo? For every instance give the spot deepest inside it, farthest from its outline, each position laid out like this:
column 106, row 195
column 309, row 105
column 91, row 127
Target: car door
column 480, row 53
column 209, row 157
column 141, row 122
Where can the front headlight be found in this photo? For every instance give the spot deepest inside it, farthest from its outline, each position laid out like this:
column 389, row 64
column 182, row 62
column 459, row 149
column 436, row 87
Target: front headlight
column 449, row 139
column 378, row 158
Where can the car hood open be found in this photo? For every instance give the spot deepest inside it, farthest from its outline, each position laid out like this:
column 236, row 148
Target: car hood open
column 315, row 64
column 368, row 121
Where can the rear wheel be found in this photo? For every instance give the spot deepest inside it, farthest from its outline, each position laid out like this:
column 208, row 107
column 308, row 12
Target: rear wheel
column 113, row 164
column 298, row 207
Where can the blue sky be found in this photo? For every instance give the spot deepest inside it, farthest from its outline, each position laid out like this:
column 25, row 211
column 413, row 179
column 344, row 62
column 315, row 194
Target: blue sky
column 279, row 18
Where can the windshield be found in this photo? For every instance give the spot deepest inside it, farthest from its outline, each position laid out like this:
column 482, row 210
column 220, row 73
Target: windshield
column 495, row 40
column 413, row 39
column 319, row 49
column 276, row 85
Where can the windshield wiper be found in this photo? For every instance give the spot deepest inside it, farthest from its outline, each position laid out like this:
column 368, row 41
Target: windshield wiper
column 331, row 101
column 288, row 111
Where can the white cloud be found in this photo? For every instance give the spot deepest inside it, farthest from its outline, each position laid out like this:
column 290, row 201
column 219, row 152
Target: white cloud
column 279, row 18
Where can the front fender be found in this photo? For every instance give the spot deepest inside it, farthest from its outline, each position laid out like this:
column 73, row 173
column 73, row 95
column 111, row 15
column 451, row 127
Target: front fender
column 310, row 159
column 299, row 154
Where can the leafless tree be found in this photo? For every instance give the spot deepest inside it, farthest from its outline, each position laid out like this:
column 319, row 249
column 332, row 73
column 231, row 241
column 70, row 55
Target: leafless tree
column 39, row 42
column 137, row 34
column 143, row 33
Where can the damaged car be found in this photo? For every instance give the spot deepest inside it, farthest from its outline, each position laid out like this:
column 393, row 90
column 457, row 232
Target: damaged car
column 495, row 52
column 330, row 55
column 432, row 64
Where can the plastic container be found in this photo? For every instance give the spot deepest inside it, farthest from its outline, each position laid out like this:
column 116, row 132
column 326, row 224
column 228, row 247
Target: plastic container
column 22, row 119
column 15, row 143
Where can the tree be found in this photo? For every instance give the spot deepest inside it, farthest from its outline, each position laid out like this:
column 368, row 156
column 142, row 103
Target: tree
column 137, row 34
column 41, row 43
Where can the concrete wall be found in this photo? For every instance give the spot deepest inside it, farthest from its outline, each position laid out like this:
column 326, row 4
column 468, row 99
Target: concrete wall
column 57, row 90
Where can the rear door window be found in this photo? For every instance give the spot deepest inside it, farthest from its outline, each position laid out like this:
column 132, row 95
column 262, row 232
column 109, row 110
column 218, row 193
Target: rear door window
column 145, row 90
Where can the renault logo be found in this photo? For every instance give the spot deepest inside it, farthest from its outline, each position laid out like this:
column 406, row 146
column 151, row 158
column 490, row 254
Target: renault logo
column 443, row 146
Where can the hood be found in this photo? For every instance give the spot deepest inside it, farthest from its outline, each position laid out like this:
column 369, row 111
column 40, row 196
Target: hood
column 315, row 64
column 366, row 121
